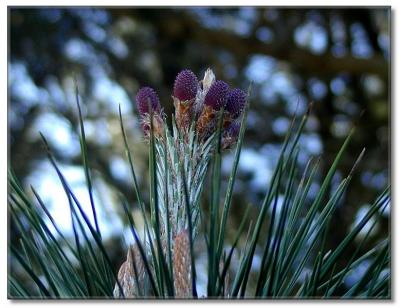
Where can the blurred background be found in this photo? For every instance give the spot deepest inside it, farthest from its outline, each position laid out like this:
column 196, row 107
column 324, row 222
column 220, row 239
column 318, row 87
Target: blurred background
column 337, row 58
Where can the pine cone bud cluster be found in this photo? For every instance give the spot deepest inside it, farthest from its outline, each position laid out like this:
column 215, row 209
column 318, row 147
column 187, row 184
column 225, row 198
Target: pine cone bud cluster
column 196, row 103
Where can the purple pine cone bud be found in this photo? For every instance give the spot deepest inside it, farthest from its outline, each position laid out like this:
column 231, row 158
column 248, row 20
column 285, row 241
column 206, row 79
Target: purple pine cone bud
column 143, row 97
column 233, row 130
column 235, row 102
column 185, row 86
column 217, row 95
column 231, row 135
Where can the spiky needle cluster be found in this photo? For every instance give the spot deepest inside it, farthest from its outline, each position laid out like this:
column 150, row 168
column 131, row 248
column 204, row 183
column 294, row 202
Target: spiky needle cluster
column 182, row 157
column 161, row 262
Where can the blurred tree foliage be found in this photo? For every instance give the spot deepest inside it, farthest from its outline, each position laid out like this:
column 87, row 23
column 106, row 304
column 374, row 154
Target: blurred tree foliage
column 337, row 58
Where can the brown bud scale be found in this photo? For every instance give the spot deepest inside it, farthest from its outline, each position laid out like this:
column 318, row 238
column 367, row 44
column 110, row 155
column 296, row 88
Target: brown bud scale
column 182, row 265
column 206, row 123
column 126, row 275
column 183, row 114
